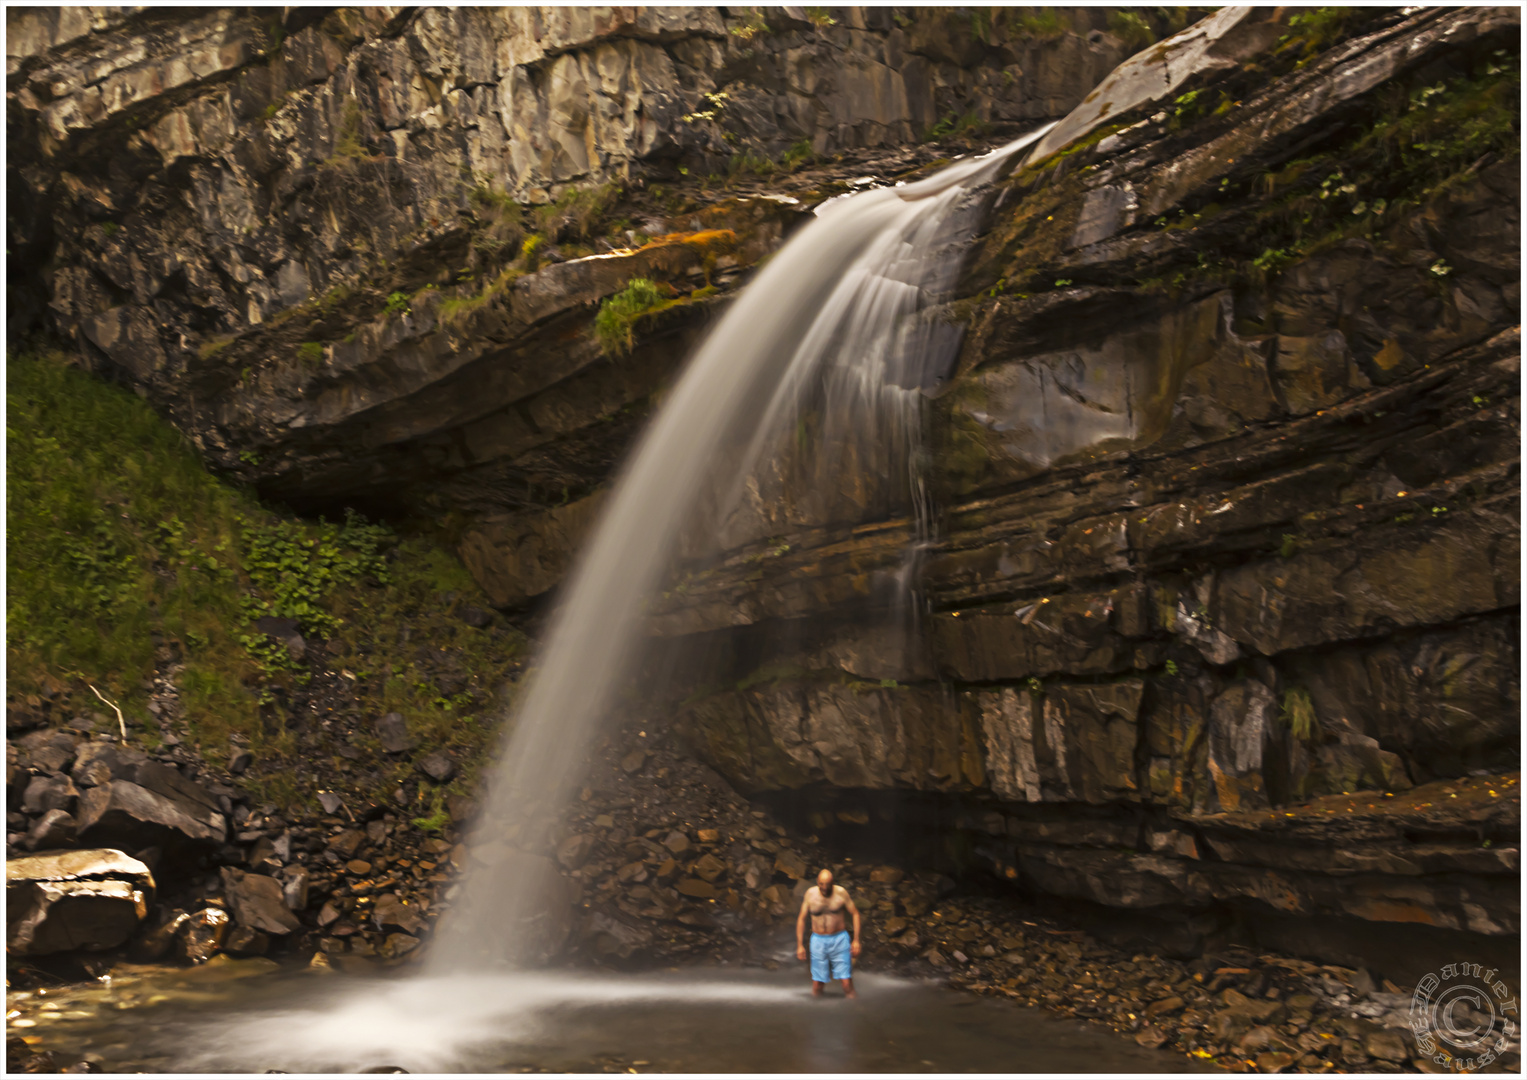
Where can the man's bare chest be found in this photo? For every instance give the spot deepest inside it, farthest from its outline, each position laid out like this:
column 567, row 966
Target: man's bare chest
column 831, row 905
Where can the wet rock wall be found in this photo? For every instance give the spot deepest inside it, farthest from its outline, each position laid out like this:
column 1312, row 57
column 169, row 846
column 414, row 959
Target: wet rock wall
column 1218, row 544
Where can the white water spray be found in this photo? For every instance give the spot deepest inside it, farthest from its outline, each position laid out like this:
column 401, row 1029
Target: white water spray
column 838, row 315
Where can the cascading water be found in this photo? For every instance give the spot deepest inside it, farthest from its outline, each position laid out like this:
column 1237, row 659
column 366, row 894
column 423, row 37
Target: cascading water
column 840, row 320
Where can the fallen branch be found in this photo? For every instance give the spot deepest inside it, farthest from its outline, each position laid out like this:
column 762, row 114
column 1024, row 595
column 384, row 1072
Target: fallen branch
column 120, row 722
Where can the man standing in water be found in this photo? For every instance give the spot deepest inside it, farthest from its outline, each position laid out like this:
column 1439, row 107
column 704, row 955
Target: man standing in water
column 826, row 905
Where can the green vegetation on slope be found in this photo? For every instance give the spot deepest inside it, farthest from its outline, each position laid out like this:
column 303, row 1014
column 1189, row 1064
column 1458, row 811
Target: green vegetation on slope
column 122, row 546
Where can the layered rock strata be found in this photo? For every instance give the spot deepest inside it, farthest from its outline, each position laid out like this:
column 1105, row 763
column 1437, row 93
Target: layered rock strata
column 302, row 235
column 1217, row 541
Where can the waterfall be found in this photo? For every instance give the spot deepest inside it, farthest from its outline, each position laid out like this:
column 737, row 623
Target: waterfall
column 841, row 316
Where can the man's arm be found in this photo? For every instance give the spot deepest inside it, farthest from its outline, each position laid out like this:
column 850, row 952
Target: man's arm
column 800, row 931
column 854, row 911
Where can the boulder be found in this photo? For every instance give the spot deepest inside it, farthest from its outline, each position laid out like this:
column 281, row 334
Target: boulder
column 132, row 816
column 99, row 762
column 392, row 732
column 92, row 899
column 55, row 829
column 258, row 902
column 391, row 911
column 46, row 793
column 246, row 941
column 438, row 766
column 46, row 751
column 200, row 937
column 172, row 784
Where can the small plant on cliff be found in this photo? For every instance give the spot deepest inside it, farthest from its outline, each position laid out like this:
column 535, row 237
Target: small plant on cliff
column 1042, row 23
column 800, row 153
column 310, row 354
column 502, row 222
column 209, row 349
column 752, row 24
column 819, row 17
column 348, row 143
column 617, row 315
column 1133, row 32
column 1313, row 30
column 1298, row 713
column 715, row 105
column 578, row 213
column 954, row 127
column 397, row 304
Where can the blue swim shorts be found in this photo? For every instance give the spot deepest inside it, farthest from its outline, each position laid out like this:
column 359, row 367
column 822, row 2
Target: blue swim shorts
column 831, row 956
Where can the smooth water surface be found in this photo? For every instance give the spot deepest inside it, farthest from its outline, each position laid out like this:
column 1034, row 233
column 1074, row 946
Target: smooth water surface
column 696, row 1020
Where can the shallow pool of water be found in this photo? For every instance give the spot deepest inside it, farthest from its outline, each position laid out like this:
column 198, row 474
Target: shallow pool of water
column 251, row 1018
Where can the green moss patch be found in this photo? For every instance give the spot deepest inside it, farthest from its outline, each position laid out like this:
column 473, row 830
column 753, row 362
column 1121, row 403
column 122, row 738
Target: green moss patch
column 127, row 557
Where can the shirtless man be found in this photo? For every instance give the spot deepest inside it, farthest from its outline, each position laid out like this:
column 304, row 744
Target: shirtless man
column 826, row 904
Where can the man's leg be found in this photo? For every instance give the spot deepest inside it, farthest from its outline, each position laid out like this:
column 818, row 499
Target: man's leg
column 843, row 962
column 821, row 968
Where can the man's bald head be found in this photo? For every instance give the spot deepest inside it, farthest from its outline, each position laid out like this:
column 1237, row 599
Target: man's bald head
column 824, row 879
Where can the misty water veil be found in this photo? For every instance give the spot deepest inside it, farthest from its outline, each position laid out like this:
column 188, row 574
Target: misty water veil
column 817, row 372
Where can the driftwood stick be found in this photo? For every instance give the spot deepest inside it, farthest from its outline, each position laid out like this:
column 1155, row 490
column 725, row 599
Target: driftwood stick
column 120, row 722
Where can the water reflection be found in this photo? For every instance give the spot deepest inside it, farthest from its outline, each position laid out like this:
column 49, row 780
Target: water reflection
column 692, row 1020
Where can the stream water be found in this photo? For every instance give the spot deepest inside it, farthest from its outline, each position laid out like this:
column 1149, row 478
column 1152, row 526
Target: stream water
column 249, row 1016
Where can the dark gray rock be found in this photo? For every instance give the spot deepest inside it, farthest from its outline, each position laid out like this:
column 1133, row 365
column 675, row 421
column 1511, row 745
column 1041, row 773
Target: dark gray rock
column 330, row 802
column 174, row 785
column 438, row 766
column 46, row 751
column 131, row 816
column 258, row 902
column 55, row 829
column 476, row 616
column 239, row 760
column 392, row 732
column 286, row 632
column 46, row 793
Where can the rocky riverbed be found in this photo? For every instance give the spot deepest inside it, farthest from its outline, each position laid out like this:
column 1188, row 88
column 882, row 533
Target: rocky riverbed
column 670, row 866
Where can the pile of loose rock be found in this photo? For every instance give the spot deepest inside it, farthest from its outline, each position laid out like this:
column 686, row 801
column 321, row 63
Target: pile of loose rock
column 667, row 863
column 1242, row 1010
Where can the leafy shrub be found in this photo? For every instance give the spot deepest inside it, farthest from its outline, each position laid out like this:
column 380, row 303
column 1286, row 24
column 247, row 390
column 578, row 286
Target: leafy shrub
column 1131, row 30
column 618, row 313
column 1042, row 23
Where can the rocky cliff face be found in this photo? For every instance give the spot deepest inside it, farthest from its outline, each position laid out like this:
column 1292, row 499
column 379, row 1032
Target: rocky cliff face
column 1226, row 573
column 1231, row 487
column 304, row 237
